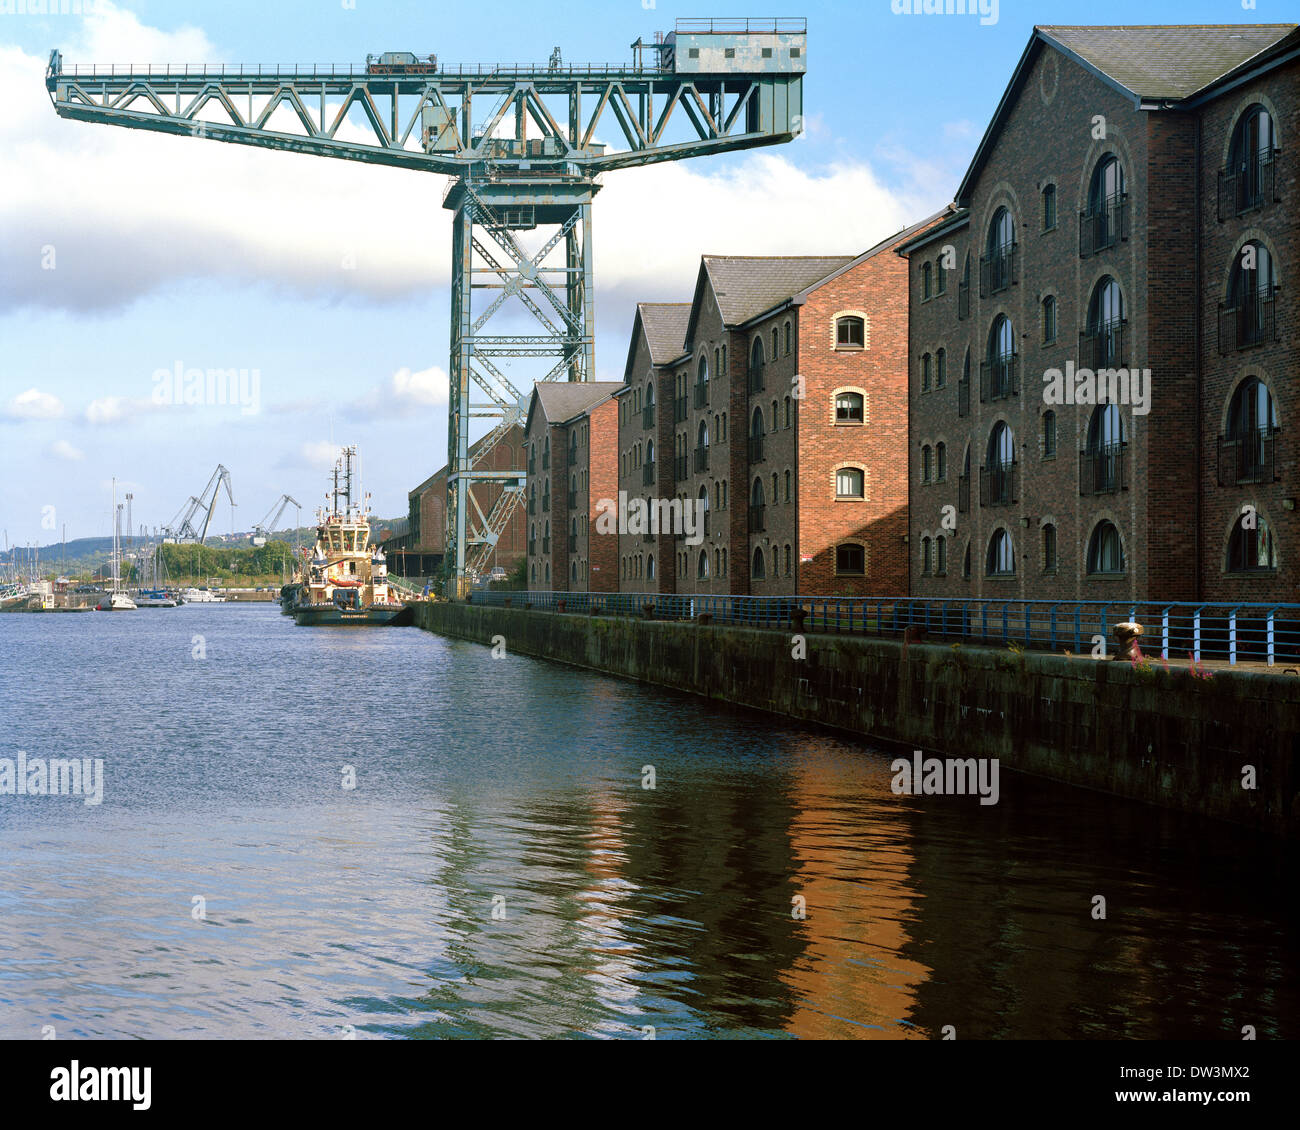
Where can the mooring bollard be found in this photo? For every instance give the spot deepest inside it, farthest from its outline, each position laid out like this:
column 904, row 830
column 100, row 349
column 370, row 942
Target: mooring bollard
column 797, row 619
column 705, row 618
column 1126, row 635
column 648, row 610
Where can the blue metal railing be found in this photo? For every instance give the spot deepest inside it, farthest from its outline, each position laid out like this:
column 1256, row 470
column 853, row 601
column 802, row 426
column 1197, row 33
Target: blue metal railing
column 1173, row 631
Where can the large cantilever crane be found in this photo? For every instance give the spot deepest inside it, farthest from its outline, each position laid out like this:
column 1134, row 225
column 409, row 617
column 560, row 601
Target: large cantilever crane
column 266, row 527
column 709, row 86
column 181, row 528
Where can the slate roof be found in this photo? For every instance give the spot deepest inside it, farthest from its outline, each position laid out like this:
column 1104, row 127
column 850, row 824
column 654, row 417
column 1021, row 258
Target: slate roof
column 746, row 285
column 562, row 400
column 664, row 325
column 1166, row 62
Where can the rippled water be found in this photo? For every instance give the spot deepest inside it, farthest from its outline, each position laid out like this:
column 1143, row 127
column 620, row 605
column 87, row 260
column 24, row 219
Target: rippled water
column 515, row 786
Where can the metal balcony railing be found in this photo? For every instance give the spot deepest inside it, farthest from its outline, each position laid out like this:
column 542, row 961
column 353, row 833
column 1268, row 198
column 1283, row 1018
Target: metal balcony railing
column 1249, row 187
column 1000, row 269
column 1253, row 323
column 546, row 503
column 1248, row 458
column 532, row 506
column 1102, row 470
column 573, row 457
column 999, row 378
column 963, row 397
column 546, row 460
column 756, row 448
column 648, row 416
column 757, row 377
column 1105, row 346
column 532, row 547
column 757, row 519
column 998, row 486
column 572, row 499
column 546, row 545
column 1105, row 227
column 648, row 474
column 679, row 409
column 701, row 394
column 701, row 459
column 963, row 494
column 680, row 467
column 573, row 543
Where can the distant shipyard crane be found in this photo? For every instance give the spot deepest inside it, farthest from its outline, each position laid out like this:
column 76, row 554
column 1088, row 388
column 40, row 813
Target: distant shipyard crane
column 182, row 528
column 738, row 84
column 266, row 527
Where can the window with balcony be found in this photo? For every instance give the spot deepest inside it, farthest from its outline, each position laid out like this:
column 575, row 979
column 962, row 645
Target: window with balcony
column 999, row 374
column 963, row 388
column 648, row 412
column 849, row 483
column 1249, row 317
column 963, row 486
column 1101, row 463
column 757, row 508
column 963, row 290
column 648, row 470
column 1105, row 551
column 1105, row 221
column 1248, row 452
column 702, row 383
column 998, row 475
column 850, row 332
column 1000, row 561
column 756, row 437
column 1102, row 342
column 1251, row 548
column 1249, row 180
column 703, row 499
column 998, row 266
column 702, row 447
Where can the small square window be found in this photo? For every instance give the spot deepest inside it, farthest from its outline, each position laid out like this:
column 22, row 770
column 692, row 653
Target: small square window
column 729, row 52
column 693, row 53
column 795, row 52
column 767, row 52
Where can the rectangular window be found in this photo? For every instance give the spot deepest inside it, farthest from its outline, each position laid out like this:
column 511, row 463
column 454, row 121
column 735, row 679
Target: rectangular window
column 795, row 52
column 729, row 52
column 1049, row 207
column 767, row 52
column 850, row 561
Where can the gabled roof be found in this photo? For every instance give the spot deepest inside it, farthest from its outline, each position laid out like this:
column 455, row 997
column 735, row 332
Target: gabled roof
column 1156, row 66
column 561, row 401
column 664, row 326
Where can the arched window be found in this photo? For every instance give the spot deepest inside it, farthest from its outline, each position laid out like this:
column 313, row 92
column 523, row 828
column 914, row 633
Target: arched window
column 787, row 485
column 776, row 343
column 963, row 289
column 965, row 563
column 1049, row 434
column 1251, row 548
column 534, row 571
column 940, row 277
column 925, row 372
column 848, row 482
column 997, row 479
column 546, row 454
column 650, row 567
column 1049, row 548
column 1001, row 560
column 756, row 366
column 650, row 453
column 925, row 557
column 998, row 375
column 998, row 267
column 848, row 408
column 756, row 497
column 1105, row 553
column 702, row 565
column 788, row 339
column 787, row 561
column 940, row 462
column 941, row 368
column 548, row 572
column 573, row 570
column 756, row 436
column 1249, row 180
column 1049, row 320
column 756, row 569
column 1049, row 207
column 925, row 463
column 1101, row 467
column 927, row 281
column 941, row 556
column 850, row 332
column 850, row 560
column 702, row 436
column 1249, row 318
column 787, row 411
column 1105, row 222
column 1246, row 453
column 1103, row 343
column 703, row 499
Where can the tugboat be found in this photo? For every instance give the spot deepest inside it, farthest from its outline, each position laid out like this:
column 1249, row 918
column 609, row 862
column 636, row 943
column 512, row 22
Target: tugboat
column 343, row 581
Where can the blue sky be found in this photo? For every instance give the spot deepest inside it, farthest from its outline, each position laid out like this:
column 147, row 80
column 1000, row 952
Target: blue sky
column 168, row 250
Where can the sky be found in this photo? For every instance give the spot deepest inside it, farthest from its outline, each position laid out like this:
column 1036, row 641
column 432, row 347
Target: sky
column 325, row 283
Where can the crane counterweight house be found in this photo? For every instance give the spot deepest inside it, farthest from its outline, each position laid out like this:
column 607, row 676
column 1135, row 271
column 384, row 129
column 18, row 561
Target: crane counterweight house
column 524, row 146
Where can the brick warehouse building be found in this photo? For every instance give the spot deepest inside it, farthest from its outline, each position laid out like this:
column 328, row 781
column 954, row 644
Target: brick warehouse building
column 571, row 438
column 801, row 480
column 1131, row 207
column 419, row 551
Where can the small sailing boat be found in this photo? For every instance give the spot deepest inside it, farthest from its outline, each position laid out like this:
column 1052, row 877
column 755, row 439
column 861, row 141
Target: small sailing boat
column 116, row 600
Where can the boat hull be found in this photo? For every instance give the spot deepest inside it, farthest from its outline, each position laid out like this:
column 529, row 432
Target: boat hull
column 330, row 614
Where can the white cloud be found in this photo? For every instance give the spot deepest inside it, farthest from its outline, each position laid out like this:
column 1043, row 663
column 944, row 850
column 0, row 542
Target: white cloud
column 405, row 392
column 115, row 409
column 34, row 405
column 62, row 449
column 322, row 453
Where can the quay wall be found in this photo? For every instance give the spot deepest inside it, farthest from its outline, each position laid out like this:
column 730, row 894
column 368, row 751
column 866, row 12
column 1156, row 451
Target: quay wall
column 1162, row 736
